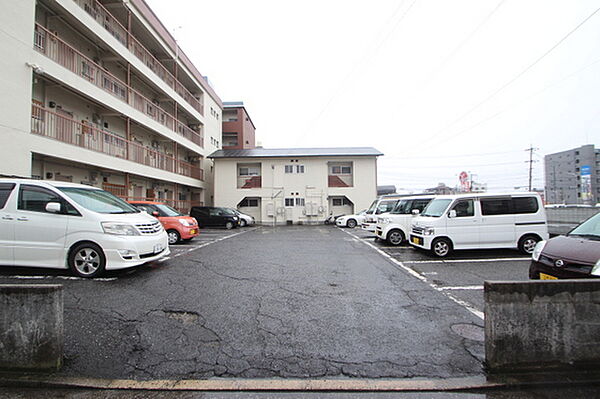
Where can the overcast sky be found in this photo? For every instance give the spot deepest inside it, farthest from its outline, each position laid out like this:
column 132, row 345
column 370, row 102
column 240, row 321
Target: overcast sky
column 438, row 86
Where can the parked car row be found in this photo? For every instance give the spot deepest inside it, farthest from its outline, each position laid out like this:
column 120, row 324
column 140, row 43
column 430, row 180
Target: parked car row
column 88, row 230
column 444, row 223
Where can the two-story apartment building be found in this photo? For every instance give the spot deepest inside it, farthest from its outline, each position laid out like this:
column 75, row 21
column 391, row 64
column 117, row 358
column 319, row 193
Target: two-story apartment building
column 296, row 185
column 98, row 92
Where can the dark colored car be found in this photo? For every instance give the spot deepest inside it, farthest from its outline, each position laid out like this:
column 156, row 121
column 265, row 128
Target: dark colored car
column 576, row 255
column 214, row 216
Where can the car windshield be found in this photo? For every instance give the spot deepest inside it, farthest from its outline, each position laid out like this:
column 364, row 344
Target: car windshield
column 98, row 200
column 590, row 228
column 228, row 212
column 372, row 207
column 385, row 206
column 403, row 207
column 166, row 210
column 436, row 208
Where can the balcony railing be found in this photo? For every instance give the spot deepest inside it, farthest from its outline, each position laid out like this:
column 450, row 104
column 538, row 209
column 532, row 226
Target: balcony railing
column 339, row 181
column 59, row 51
column 249, row 182
column 97, row 11
column 86, row 135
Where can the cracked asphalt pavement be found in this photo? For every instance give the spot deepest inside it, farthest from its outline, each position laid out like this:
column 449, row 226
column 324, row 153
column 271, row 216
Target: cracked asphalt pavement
column 293, row 301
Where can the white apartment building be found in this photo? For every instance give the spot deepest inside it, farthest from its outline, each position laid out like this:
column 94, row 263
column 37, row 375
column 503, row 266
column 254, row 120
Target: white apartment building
column 98, row 92
column 296, row 185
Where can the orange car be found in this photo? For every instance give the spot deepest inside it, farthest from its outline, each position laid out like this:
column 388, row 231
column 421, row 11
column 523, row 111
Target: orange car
column 178, row 226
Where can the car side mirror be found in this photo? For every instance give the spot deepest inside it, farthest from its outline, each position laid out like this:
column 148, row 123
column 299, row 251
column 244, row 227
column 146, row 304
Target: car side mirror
column 415, row 212
column 53, row 207
column 155, row 214
column 452, row 214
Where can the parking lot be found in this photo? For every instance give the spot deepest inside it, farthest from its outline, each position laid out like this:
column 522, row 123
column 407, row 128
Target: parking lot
column 460, row 276
column 291, row 301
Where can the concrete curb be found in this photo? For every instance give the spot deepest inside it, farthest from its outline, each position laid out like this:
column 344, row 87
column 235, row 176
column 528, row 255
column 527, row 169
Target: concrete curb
column 460, row 384
column 223, row 385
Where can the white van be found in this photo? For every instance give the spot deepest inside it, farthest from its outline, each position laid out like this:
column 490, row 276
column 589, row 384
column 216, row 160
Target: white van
column 394, row 227
column 470, row 221
column 83, row 228
column 382, row 204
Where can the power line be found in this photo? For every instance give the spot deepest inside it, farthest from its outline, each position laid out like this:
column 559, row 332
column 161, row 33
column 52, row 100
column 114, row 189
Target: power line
column 515, row 78
column 363, row 61
column 514, row 104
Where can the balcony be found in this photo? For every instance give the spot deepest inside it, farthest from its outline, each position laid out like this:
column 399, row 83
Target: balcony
column 60, row 52
column 85, row 135
column 97, row 11
column 339, row 181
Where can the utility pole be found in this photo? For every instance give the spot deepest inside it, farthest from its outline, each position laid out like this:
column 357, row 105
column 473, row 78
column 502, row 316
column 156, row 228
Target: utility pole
column 531, row 149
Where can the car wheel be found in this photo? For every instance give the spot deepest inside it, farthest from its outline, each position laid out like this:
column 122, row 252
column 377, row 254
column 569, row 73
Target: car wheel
column 229, row 225
column 351, row 223
column 243, row 223
column 527, row 244
column 441, row 247
column 87, row 260
column 174, row 236
column 395, row 237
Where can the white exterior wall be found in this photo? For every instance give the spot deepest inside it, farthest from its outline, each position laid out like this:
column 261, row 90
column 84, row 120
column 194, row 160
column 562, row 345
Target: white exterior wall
column 16, row 75
column 16, row 39
column 312, row 185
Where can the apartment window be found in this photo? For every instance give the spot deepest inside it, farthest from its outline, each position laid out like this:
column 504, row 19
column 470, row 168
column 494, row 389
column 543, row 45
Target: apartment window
column 289, row 202
column 299, row 168
column 341, row 170
column 249, row 171
column 289, row 168
column 299, row 201
column 340, row 201
column 249, row 203
column 336, row 170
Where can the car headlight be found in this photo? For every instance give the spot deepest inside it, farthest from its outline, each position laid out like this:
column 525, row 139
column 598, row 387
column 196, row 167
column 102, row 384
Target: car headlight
column 119, row 229
column 428, row 231
column 596, row 269
column 184, row 222
column 537, row 251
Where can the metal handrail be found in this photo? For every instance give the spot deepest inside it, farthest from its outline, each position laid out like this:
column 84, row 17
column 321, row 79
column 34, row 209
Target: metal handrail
column 86, row 135
column 59, row 51
column 97, row 11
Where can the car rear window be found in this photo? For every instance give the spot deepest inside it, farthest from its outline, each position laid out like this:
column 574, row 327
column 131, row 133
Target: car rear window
column 5, row 190
column 508, row 206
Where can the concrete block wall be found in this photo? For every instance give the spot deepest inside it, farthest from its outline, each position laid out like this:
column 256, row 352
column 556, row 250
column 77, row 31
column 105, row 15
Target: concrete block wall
column 564, row 219
column 536, row 325
column 31, row 327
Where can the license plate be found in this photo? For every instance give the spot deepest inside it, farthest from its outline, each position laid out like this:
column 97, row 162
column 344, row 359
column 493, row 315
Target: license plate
column 544, row 276
column 158, row 248
column 416, row 240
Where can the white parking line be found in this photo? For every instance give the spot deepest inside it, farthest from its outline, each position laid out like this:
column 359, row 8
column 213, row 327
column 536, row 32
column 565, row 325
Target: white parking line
column 416, row 262
column 419, row 276
column 115, row 278
column 464, row 288
column 57, row 278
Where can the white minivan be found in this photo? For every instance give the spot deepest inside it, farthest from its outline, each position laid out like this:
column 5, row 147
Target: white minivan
column 394, row 227
column 471, row 221
column 64, row 225
column 382, row 204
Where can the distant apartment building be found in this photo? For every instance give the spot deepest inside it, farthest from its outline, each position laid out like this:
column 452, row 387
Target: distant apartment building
column 296, row 185
column 98, row 92
column 573, row 176
column 238, row 129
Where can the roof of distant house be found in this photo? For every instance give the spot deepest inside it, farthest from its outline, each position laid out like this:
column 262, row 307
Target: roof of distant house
column 296, row 152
